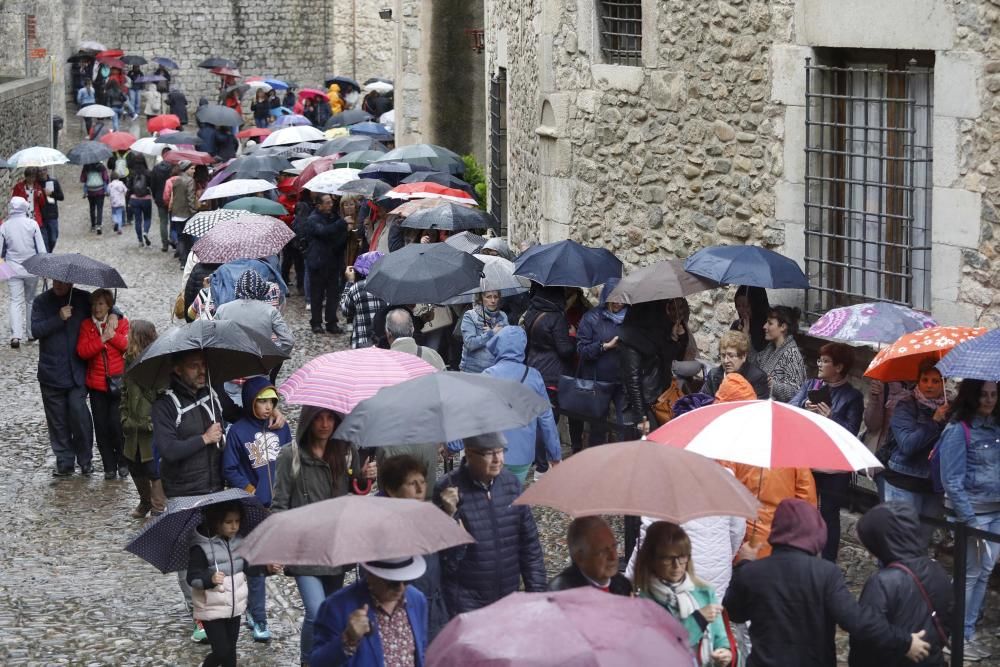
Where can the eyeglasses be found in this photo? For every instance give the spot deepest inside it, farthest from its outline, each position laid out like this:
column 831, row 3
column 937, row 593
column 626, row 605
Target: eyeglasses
column 675, row 560
column 488, row 453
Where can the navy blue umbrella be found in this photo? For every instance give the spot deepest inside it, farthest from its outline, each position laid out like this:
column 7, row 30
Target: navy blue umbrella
column 349, row 117
column 568, row 264
column 747, row 265
column 166, row 540
column 166, row 62
column 373, row 130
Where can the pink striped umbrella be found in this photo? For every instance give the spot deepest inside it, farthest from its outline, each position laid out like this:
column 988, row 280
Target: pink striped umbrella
column 766, row 434
column 247, row 237
column 340, row 380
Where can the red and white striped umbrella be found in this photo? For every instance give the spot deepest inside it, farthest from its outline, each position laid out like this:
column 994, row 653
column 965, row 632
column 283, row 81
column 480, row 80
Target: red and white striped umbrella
column 246, row 237
column 425, row 190
column 340, row 380
column 766, row 434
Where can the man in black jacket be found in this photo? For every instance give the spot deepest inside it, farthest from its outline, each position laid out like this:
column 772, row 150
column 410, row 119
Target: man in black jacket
column 50, row 211
column 794, row 600
column 594, row 552
column 326, row 235
column 157, row 182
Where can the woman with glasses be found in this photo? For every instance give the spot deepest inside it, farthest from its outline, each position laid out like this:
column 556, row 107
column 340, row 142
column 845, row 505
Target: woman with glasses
column 734, row 348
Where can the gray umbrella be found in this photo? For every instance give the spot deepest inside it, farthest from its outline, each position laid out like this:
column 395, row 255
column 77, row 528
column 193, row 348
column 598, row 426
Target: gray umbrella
column 662, row 280
column 216, row 114
column 369, row 188
column 89, row 152
column 74, row 268
column 464, row 241
column 440, row 407
column 179, row 139
column 449, row 216
column 423, row 273
column 268, row 165
column 354, row 142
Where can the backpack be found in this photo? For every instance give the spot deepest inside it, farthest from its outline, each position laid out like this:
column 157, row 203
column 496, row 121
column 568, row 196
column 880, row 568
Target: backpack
column 935, row 459
column 121, row 167
column 140, row 186
column 95, row 180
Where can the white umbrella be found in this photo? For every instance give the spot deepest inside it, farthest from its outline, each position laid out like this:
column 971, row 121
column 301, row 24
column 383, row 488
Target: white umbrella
column 296, row 134
column 330, row 182
column 302, row 163
column 380, row 87
column 148, row 146
column 91, row 45
column 388, row 119
column 498, row 275
column 36, row 156
column 259, row 84
column 237, row 188
column 96, row 111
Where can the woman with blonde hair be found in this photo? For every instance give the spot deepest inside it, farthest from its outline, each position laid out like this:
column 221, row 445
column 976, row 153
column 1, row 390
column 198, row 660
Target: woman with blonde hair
column 137, row 427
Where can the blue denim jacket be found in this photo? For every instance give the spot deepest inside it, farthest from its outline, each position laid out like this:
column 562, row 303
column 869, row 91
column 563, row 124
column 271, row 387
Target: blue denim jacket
column 915, row 433
column 970, row 469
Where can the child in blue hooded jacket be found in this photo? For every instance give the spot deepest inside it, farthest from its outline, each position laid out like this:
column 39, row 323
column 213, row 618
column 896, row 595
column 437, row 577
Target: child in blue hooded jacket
column 249, row 463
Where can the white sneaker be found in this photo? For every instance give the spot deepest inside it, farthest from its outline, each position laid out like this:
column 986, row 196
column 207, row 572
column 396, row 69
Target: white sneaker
column 974, row 651
column 308, row 307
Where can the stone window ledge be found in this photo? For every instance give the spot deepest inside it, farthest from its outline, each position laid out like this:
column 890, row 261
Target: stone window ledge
column 618, row 77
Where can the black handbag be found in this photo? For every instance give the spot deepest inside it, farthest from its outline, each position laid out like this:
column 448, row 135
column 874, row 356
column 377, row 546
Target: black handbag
column 588, row 397
column 115, row 382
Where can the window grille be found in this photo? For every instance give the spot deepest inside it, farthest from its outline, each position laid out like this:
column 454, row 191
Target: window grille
column 621, row 31
column 868, row 184
column 498, row 149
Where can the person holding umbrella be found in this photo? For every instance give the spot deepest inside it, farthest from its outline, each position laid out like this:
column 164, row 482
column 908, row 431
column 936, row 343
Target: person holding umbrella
column 84, row 98
column 359, row 305
column 479, row 325
column 751, row 311
column 177, row 104
column 261, row 108
column 327, row 239
column 95, row 181
column 648, row 344
column 50, row 211
column 21, row 238
column 597, row 346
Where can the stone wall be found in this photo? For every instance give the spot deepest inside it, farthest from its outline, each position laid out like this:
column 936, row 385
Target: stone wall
column 24, row 106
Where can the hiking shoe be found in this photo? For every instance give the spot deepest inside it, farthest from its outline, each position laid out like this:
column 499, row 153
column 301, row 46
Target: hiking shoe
column 145, row 237
column 317, row 329
column 261, row 632
column 123, row 471
column 62, row 472
column 98, row 231
column 199, row 633
column 15, row 343
column 87, row 470
column 974, row 651
column 110, row 475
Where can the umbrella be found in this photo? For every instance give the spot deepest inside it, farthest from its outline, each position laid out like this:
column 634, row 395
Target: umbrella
column 216, row 114
column 358, row 159
column 375, row 527
column 166, row 540
column 150, row 78
column 422, row 151
column 167, row 121
column 349, row 144
column 147, row 146
column 240, row 89
column 450, row 217
column 338, row 381
column 380, row 87
column 177, row 156
column 36, row 156
column 342, row 81
column 261, row 170
column 407, row 209
column 236, row 188
column 96, row 111
column 89, row 152
column 465, row 241
column 113, row 63
column 899, row 362
column 79, row 57
column 431, row 191
column 281, row 111
column 256, row 83
column 369, row 188
column 233, row 352
column 277, row 84
column 202, row 222
column 568, row 264
column 331, row 180
column 662, row 280
column 134, row 60
column 293, row 135
column 178, row 138
column 258, row 205
column 423, row 273
column 766, row 434
column 109, row 54
column 441, row 178
column 975, row 359
column 498, row 275
column 583, row 627
column 258, row 162
column 870, row 322
column 289, row 120
column 225, row 71
column 248, row 237
column 440, row 407
column 166, row 62
column 390, row 172
column 118, row 141
column 74, row 268
column 215, row 61
column 253, row 132
column 90, row 45
column 373, row 130
column 312, row 93
column 747, row 265
column 7, row 270
column 345, row 118
column 642, row 478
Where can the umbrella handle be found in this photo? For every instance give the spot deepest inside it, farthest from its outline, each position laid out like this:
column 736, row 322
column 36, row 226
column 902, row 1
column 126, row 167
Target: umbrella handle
column 357, row 488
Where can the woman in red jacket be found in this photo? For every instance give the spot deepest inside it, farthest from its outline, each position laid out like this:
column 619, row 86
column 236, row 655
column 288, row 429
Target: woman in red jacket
column 103, row 347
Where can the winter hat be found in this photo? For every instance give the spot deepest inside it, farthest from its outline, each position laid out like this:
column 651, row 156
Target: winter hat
column 19, row 208
column 735, row 388
column 363, row 264
column 251, row 285
column 485, row 441
column 799, row 525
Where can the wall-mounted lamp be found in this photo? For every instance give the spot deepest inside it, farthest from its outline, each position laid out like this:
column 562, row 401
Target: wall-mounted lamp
column 385, row 13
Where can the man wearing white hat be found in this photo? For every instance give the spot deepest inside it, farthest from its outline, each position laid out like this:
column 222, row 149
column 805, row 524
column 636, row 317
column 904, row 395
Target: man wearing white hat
column 379, row 620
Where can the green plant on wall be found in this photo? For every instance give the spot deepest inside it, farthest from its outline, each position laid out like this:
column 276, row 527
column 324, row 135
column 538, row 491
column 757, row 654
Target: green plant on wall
column 476, row 177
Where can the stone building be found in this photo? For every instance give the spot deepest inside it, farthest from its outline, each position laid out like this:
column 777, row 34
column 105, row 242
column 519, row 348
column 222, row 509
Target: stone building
column 859, row 138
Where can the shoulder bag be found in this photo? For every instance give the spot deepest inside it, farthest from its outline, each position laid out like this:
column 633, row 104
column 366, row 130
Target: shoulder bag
column 585, row 396
column 115, row 382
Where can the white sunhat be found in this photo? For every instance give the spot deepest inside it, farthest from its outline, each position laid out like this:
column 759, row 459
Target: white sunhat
column 397, row 569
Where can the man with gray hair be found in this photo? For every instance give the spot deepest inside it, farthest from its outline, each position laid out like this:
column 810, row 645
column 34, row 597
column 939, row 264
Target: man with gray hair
column 593, row 550
column 399, row 330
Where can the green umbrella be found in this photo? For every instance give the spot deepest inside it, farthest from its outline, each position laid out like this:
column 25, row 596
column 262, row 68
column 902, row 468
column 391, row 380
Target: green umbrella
column 358, row 159
column 258, row 205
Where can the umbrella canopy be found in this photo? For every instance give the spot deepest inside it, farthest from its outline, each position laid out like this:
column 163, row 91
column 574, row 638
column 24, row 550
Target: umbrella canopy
column 766, row 434
column 253, row 133
column 584, row 627
column 373, row 130
column 407, row 209
column 89, row 152
column 390, row 172
column 345, row 83
column 975, row 359
column 259, row 161
column 216, row 114
column 118, row 141
column 74, row 268
column 259, row 205
column 36, row 156
column 240, row 89
column 225, row 71
column 233, row 351
column 109, row 54
column 147, row 146
column 440, row 407
column 134, row 60
column 215, row 61
column 346, row 118
column 340, row 380
column 498, row 275
column 662, row 280
column 349, row 144
column 149, row 78
column 91, row 45
column 330, row 181
column 167, row 121
column 900, row 361
column 237, row 188
column 178, row 138
column 166, row 62
column 642, row 478
column 311, row 168
column 450, row 217
column 358, row 159
column 165, row 541
column 202, row 222
column 380, row 87
column 441, row 178
column 289, row 120
column 96, row 111
column 176, row 156
column 423, row 273
column 747, row 265
column 369, row 188
column 464, row 241
column 568, row 264
column 312, row 93
column 293, row 135
column 374, row 528
column 870, row 322
column 422, row 150
column 248, row 237
column 431, row 191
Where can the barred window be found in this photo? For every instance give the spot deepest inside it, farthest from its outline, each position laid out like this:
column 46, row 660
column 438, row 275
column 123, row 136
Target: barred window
column 868, row 180
column 621, row 31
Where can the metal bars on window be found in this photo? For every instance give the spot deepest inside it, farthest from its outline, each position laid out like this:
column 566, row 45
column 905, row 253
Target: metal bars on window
column 498, row 149
column 621, row 31
column 868, row 185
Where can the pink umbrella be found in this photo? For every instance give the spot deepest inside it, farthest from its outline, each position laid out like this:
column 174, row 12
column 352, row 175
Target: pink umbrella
column 766, row 434
column 340, row 380
column 7, row 270
column 583, row 627
column 247, row 237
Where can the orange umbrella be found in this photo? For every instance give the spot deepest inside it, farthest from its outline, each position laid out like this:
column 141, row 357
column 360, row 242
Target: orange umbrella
column 162, row 122
column 899, row 361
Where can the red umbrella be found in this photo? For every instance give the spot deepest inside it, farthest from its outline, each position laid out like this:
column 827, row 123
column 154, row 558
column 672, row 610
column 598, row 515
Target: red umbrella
column 313, row 169
column 194, row 157
column 340, row 380
column 163, row 122
column 109, row 54
column 306, row 93
column 253, row 132
column 114, row 64
column 118, row 141
column 226, row 71
column 428, row 190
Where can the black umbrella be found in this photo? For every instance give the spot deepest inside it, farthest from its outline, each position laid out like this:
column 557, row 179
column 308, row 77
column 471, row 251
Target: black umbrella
column 568, row 264
column 89, row 152
column 216, row 114
column 240, row 88
column 74, row 268
column 179, row 139
column 233, row 351
column 441, row 407
column 390, row 172
column 449, row 216
column 258, row 162
column 349, row 144
column 80, row 57
column 369, row 188
column 423, row 273
column 441, row 178
column 214, row 61
column 349, row 117
column 133, row 60
column 345, row 82
column 166, row 62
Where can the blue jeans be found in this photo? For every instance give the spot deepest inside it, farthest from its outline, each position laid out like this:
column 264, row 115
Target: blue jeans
column 979, row 562
column 926, row 504
column 313, row 591
column 257, row 598
column 116, row 118
column 50, row 233
column 142, row 213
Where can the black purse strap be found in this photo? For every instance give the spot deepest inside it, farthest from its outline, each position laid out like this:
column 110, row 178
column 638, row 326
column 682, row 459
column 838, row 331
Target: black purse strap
column 927, row 599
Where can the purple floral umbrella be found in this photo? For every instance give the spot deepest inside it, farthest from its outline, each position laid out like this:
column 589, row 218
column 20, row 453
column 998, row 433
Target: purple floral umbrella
column 250, row 236
column 870, row 323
